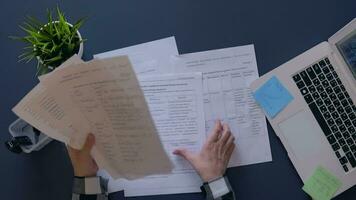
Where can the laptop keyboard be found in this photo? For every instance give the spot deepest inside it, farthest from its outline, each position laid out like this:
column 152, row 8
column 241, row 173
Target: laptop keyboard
column 332, row 107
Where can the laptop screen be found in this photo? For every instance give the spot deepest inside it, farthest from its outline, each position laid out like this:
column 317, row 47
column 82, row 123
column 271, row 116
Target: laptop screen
column 347, row 47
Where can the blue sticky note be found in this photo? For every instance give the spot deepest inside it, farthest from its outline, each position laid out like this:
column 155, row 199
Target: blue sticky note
column 273, row 96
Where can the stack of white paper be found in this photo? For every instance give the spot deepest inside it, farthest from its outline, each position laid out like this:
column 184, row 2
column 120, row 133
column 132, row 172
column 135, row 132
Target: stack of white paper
column 226, row 75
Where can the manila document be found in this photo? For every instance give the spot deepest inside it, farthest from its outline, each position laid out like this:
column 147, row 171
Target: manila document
column 104, row 98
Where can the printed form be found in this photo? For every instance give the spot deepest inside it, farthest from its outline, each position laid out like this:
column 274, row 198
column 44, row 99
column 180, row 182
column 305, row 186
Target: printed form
column 176, row 105
column 227, row 74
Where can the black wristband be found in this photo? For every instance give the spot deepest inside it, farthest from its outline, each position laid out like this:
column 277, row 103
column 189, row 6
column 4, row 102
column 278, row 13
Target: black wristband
column 209, row 193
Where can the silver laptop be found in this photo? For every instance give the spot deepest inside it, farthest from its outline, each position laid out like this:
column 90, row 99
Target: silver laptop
column 318, row 126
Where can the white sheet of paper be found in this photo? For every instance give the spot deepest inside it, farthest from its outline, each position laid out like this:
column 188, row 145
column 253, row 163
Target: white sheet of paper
column 227, row 74
column 148, row 58
column 176, row 105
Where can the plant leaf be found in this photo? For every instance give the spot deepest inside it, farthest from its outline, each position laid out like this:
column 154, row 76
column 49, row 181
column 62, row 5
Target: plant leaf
column 53, row 42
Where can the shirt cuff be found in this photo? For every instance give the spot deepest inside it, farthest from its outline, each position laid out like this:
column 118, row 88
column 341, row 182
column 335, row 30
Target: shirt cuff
column 89, row 185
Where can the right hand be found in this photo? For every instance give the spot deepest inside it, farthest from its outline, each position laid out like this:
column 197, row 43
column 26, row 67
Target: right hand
column 211, row 162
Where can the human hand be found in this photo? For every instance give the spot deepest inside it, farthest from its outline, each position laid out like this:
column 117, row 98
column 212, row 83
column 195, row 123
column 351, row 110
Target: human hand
column 83, row 163
column 211, row 162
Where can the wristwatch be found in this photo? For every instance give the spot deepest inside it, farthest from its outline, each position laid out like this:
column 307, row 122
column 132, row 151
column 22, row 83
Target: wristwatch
column 217, row 188
column 89, row 185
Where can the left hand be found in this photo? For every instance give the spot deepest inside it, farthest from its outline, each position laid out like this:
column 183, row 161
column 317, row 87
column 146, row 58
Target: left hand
column 211, row 162
column 83, row 163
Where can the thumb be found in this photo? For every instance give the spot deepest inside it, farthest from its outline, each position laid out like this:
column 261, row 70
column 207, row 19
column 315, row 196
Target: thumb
column 89, row 143
column 184, row 153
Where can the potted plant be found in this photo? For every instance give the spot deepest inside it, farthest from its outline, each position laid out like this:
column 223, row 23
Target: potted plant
column 51, row 43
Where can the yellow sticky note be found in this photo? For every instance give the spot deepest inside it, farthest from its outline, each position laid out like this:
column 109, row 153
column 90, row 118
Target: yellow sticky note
column 322, row 185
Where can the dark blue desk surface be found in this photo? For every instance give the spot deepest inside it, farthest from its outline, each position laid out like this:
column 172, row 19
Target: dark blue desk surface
column 279, row 29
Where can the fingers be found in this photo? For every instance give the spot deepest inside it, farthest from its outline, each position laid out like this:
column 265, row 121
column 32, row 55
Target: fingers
column 214, row 136
column 184, row 153
column 95, row 166
column 71, row 152
column 229, row 152
column 225, row 135
column 89, row 143
column 223, row 148
column 230, row 141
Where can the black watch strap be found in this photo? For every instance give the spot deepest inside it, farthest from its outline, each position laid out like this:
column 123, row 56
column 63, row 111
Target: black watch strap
column 206, row 191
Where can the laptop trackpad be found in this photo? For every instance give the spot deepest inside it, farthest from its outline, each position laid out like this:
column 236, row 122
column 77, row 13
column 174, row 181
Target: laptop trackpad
column 303, row 134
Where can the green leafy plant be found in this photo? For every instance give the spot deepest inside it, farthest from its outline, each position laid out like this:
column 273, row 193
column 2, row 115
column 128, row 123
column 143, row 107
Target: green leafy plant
column 52, row 42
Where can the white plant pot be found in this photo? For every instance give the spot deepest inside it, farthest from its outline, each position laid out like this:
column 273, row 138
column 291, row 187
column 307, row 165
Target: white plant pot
column 81, row 46
column 22, row 128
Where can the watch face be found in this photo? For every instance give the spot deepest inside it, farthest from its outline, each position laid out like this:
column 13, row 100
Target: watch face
column 219, row 187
